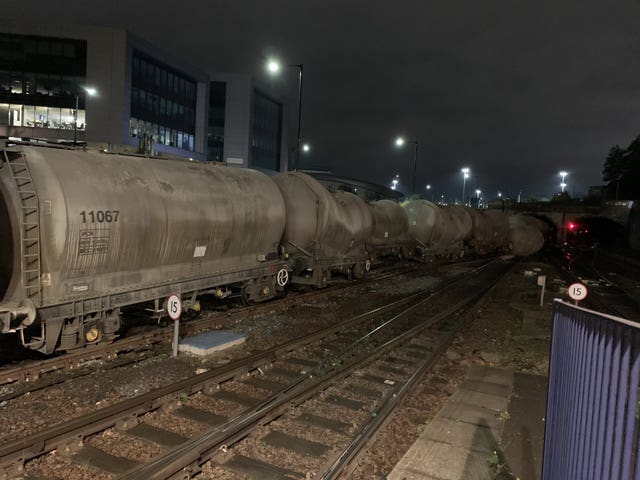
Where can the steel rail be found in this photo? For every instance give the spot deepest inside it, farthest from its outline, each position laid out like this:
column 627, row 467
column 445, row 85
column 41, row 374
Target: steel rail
column 186, row 458
column 34, row 370
column 596, row 297
column 61, row 436
column 346, row 461
column 69, row 435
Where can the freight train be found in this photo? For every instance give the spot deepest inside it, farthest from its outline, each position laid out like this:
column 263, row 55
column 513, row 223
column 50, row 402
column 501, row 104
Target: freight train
column 84, row 234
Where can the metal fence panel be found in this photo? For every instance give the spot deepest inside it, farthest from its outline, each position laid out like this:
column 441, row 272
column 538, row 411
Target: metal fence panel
column 592, row 426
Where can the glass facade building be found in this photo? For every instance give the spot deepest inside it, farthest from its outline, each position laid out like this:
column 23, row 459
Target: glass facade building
column 163, row 103
column 146, row 101
column 266, row 131
column 40, row 78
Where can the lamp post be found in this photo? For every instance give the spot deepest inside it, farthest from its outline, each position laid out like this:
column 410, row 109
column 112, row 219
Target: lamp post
column 89, row 91
column 400, row 141
column 428, row 188
column 274, row 67
column 465, row 175
column 562, row 184
column 478, row 192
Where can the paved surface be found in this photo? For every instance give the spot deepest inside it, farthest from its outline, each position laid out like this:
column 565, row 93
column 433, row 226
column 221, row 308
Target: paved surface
column 523, row 435
column 459, row 443
column 493, row 424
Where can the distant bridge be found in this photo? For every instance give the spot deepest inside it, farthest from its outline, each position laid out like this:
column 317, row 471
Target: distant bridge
column 561, row 214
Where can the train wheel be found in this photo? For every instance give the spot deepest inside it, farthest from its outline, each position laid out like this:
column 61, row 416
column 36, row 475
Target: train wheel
column 247, row 294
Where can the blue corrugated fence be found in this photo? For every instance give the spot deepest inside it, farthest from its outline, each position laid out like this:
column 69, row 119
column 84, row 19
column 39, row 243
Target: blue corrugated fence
column 592, row 404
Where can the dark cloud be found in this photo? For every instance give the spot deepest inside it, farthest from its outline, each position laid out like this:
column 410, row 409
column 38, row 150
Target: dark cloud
column 514, row 90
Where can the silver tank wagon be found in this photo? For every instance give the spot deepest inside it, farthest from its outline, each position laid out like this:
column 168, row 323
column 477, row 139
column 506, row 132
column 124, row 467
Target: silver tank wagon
column 325, row 232
column 438, row 231
column 390, row 235
column 490, row 230
column 526, row 235
column 92, row 232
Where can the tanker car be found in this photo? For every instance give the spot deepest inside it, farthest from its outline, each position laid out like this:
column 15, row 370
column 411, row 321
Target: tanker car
column 438, row 231
column 84, row 234
column 390, row 234
column 325, row 232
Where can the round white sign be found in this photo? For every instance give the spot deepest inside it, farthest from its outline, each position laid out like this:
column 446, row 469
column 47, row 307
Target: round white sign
column 577, row 291
column 174, row 307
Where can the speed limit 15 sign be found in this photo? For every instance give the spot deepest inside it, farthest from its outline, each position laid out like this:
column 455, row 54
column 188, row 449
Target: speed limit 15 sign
column 174, row 307
column 577, row 291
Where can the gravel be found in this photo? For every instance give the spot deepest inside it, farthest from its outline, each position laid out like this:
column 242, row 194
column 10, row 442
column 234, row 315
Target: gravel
column 498, row 336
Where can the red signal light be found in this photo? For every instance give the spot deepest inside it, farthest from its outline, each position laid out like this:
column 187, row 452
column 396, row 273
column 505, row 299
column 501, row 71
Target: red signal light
column 572, row 226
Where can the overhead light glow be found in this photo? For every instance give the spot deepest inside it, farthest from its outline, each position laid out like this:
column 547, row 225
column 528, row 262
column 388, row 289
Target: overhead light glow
column 90, row 91
column 273, row 66
column 306, row 147
column 399, row 141
column 428, row 187
column 465, row 171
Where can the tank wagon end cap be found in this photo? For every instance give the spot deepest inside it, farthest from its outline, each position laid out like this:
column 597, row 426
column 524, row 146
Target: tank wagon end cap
column 23, row 312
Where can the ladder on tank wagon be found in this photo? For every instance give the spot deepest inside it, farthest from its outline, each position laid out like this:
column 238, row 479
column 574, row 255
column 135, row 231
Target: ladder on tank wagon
column 29, row 225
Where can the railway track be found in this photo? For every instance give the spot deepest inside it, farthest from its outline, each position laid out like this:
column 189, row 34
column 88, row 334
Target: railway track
column 605, row 294
column 34, row 369
column 343, row 381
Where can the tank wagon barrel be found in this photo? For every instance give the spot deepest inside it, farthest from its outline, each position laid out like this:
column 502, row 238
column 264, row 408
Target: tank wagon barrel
column 390, row 232
column 85, row 234
column 438, row 231
column 527, row 234
column 325, row 232
column 449, row 231
column 92, row 232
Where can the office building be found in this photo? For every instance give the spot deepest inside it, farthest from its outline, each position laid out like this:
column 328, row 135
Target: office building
column 114, row 90
column 246, row 123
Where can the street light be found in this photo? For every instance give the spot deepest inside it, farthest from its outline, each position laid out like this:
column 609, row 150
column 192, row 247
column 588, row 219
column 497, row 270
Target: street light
column 465, row 175
column 306, row 147
column 274, row 67
column 90, row 91
column 399, row 143
column 428, row 188
column 562, row 184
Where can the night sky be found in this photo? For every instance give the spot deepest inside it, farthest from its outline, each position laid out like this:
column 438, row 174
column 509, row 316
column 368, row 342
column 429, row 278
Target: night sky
column 513, row 90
